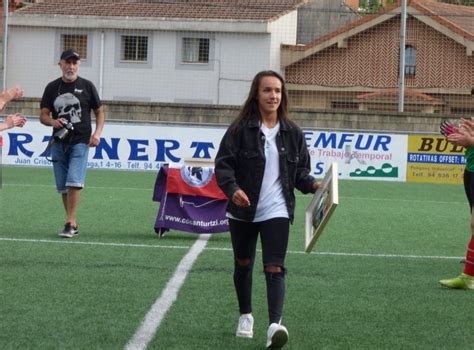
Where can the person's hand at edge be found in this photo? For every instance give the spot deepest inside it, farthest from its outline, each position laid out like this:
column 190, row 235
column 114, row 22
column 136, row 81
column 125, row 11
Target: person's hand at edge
column 15, row 120
column 9, row 95
column 461, row 138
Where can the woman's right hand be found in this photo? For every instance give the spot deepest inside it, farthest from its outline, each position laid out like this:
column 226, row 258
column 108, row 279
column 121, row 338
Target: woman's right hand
column 240, row 199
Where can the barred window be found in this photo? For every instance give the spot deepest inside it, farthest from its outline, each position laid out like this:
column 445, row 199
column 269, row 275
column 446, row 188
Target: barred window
column 195, row 50
column 134, row 48
column 410, row 61
column 78, row 42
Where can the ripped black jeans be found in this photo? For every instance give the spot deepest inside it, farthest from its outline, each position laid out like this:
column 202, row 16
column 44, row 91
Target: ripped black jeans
column 274, row 234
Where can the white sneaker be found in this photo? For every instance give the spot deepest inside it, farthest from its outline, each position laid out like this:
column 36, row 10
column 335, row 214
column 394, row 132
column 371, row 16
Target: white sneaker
column 277, row 336
column 245, row 327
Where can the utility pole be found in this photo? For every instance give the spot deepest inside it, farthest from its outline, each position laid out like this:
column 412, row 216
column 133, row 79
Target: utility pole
column 5, row 43
column 403, row 24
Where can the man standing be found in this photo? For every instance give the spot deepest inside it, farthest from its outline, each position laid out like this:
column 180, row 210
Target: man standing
column 66, row 106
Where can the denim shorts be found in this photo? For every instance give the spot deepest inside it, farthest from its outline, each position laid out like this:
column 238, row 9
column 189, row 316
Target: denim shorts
column 69, row 164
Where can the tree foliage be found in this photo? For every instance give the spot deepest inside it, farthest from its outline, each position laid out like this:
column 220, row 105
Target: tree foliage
column 372, row 6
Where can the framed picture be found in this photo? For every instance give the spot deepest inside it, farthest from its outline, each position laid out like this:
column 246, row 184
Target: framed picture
column 323, row 204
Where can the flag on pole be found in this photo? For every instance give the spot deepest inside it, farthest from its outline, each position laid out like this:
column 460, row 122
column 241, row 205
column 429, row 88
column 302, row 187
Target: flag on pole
column 195, row 181
column 185, row 208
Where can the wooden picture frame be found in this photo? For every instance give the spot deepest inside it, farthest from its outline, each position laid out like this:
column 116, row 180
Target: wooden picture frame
column 322, row 205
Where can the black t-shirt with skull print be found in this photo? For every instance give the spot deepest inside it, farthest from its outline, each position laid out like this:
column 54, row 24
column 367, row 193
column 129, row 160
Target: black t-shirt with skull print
column 74, row 102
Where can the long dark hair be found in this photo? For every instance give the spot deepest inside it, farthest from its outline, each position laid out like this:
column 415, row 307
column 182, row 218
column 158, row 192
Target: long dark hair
column 250, row 107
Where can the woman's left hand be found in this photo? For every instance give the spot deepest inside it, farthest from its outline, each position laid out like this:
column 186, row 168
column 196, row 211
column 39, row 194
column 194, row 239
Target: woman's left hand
column 316, row 185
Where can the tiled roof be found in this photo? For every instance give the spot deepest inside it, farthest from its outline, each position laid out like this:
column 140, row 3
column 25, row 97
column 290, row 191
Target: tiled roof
column 393, row 94
column 253, row 10
column 458, row 18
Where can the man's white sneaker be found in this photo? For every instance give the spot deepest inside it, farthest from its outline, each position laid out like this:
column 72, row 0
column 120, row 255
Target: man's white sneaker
column 245, row 327
column 277, row 336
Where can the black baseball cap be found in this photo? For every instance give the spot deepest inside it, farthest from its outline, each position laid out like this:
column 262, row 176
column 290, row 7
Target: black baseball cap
column 70, row 54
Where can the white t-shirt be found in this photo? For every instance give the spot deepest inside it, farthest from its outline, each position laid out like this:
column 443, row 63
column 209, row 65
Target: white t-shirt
column 271, row 203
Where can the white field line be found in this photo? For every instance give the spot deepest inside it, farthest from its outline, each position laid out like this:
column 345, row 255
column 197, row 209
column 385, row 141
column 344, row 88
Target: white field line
column 297, row 194
column 155, row 315
column 162, row 246
column 157, row 312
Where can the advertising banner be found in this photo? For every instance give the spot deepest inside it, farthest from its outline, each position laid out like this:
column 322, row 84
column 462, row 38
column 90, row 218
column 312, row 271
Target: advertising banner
column 432, row 159
column 364, row 156
column 122, row 146
column 367, row 156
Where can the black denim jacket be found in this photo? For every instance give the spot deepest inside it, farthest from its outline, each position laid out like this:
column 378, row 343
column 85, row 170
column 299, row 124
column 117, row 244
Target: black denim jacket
column 240, row 163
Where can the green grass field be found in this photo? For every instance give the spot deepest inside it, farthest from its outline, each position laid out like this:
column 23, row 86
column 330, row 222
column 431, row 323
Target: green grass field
column 371, row 282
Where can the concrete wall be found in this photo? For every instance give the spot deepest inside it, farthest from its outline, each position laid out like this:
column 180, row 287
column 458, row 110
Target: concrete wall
column 223, row 115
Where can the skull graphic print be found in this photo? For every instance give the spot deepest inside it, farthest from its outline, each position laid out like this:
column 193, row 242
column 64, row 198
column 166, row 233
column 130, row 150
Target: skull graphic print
column 68, row 107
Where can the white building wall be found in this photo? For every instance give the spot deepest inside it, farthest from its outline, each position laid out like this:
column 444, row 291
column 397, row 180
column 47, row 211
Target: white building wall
column 33, row 56
column 283, row 31
column 90, row 68
column 235, row 59
column 182, row 83
column 30, row 59
column 241, row 56
column 130, row 81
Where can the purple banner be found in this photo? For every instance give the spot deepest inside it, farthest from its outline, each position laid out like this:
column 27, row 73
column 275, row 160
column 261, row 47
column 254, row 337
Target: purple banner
column 195, row 214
